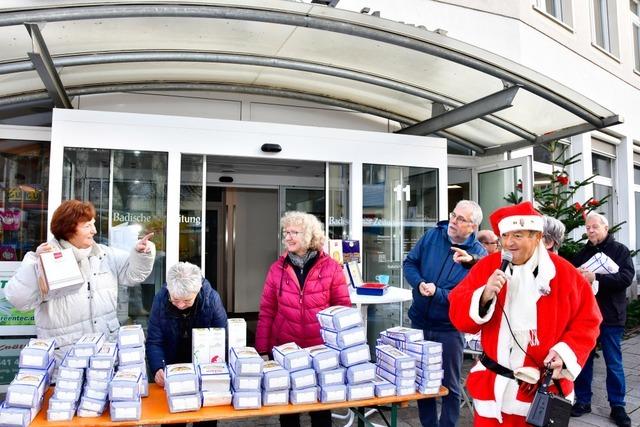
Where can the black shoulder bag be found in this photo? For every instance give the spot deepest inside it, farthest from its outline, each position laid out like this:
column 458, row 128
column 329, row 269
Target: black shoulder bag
column 548, row 409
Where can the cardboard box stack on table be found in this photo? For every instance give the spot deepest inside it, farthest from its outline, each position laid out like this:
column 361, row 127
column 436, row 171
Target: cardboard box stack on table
column 275, row 384
column 245, row 366
column 25, row 393
column 130, row 382
column 215, row 384
column 92, row 402
column 330, row 375
column 342, row 329
column 101, row 369
column 182, row 387
column 302, row 377
column 427, row 356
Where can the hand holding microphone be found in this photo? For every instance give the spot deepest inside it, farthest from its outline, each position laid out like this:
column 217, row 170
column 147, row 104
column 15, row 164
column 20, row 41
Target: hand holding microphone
column 497, row 279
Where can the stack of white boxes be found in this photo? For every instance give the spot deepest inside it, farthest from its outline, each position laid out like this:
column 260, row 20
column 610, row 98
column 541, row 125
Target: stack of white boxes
column 215, row 384
column 275, row 384
column 86, row 347
column 302, row 376
column 102, row 366
column 396, row 367
column 330, row 375
column 127, row 385
column 245, row 366
column 428, row 356
column 342, row 330
column 26, row 391
column 182, row 386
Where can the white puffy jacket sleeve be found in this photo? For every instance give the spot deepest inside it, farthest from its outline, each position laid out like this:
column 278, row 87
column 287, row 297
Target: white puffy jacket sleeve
column 22, row 290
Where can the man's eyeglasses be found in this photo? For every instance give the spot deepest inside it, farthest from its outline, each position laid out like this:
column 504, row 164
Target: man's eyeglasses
column 291, row 233
column 496, row 243
column 459, row 218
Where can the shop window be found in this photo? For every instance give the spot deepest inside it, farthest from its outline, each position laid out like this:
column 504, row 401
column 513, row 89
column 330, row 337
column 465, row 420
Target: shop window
column 605, row 31
column 129, row 192
column 338, row 192
column 601, row 191
column 636, row 175
column 24, row 180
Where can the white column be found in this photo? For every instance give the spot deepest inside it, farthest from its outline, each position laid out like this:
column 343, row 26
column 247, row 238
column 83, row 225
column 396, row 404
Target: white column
column 623, row 186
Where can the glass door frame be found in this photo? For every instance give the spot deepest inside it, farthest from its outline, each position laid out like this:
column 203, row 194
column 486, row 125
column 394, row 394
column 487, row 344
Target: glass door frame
column 187, row 135
column 492, row 164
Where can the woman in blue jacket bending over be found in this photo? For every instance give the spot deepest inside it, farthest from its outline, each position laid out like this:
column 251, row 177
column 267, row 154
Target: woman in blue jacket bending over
column 187, row 301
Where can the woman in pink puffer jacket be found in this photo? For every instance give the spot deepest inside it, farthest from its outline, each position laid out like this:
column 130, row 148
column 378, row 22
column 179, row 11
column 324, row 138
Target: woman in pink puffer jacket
column 298, row 285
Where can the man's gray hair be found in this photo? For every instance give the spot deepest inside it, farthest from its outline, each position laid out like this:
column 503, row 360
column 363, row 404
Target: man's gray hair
column 553, row 231
column 603, row 219
column 183, row 280
column 476, row 210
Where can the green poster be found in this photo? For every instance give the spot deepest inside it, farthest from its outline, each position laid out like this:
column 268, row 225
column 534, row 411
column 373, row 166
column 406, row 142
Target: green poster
column 9, row 316
column 9, row 354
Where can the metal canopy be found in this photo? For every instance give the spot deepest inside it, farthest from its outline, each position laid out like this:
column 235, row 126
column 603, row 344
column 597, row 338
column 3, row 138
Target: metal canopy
column 286, row 49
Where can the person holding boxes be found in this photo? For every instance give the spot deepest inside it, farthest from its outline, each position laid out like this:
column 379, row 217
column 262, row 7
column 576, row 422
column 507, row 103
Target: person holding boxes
column 187, row 301
column 90, row 305
column 302, row 282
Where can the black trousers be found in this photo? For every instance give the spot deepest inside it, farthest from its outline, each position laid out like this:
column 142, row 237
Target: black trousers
column 318, row 419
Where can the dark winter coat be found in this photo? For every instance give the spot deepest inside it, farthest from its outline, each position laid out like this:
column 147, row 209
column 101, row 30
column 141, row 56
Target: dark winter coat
column 612, row 288
column 163, row 331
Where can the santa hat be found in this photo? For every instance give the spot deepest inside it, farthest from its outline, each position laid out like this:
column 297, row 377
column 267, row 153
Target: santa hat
column 516, row 217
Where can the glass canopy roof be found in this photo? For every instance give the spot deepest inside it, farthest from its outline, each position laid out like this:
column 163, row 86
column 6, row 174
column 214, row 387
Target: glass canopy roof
column 430, row 83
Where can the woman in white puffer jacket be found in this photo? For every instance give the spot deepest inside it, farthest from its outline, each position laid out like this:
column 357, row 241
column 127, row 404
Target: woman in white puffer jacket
column 92, row 308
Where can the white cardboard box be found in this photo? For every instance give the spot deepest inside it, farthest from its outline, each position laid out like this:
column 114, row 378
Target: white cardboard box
column 58, row 273
column 208, row 345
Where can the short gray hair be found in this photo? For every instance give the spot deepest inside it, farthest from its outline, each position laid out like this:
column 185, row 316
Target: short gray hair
column 312, row 233
column 553, row 231
column 476, row 210
column 183, row 280
column 603, row 219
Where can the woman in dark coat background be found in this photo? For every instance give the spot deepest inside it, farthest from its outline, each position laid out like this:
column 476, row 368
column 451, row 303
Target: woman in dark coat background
column 187, row 301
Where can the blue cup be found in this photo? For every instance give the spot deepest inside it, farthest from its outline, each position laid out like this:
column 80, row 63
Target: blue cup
column 382, row 278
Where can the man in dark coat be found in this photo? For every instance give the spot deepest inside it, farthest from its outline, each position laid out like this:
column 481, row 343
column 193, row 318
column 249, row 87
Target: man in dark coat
column 187, row 301
column 610, row 288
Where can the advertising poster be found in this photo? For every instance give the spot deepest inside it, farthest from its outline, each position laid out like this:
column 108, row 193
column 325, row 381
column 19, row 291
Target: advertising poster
column 12, row 321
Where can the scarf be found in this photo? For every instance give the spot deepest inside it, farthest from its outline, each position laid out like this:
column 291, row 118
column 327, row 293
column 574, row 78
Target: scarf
column 300, row 261
column 526, row 286
column 82, row 256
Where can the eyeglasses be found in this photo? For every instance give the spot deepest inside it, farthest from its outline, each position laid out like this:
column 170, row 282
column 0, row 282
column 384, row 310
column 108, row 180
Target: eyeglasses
column 459, row 218
column 518, row 236
column 291, row 233
column 496, row 243
column 187, row 301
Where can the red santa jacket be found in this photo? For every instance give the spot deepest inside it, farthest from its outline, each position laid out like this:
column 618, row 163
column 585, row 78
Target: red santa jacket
column 568, row 321
column 288, row 312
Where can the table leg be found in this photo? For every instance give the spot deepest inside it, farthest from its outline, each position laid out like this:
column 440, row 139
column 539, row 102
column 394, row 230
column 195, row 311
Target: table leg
column 394, row 414
column 361, row 417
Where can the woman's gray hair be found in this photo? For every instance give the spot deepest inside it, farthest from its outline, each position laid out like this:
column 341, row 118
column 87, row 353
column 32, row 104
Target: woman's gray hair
column 183, row 280
column 553, row 231
column 476, row 210
column 312, row 231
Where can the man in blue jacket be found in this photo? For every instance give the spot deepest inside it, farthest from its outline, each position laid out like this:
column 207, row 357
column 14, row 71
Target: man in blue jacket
column 187, row 301
column 432, row 272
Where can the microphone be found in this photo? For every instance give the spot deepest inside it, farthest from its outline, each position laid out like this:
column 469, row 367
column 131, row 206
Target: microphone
column 507, row 257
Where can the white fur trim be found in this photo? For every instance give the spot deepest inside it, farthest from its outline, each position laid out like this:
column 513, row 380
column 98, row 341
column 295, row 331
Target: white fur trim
column 521, row 222
column 570, row 360
column 489, row 408
column 474, row 308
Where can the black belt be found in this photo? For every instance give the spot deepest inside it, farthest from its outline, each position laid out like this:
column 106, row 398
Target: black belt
column 494, row 366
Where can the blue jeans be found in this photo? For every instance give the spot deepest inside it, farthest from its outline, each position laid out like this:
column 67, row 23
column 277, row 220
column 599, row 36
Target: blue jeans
column 452, row 346
column 610, row 340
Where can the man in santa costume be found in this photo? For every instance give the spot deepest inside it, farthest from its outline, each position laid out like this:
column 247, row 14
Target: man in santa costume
column 538, row 312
